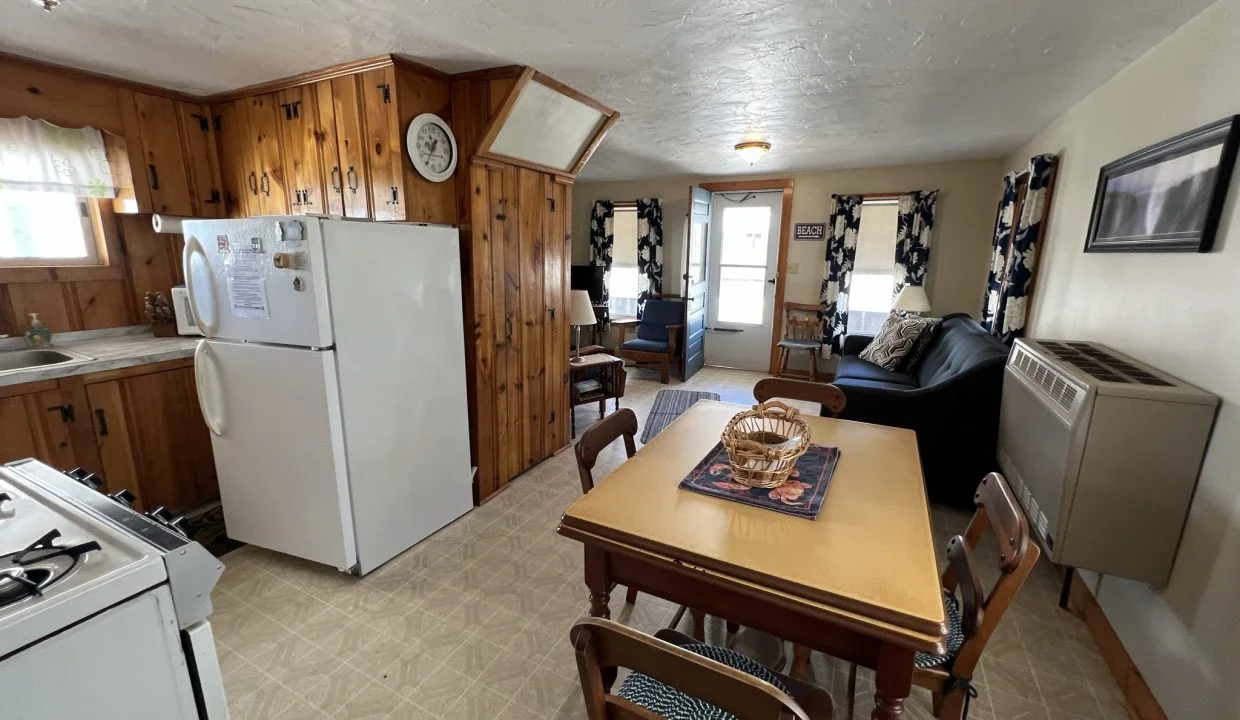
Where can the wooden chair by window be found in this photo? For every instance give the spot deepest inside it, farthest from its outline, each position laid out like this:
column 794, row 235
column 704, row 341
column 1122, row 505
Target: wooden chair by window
column 973, row 616
column 673, row 672
column 803, row 326
column 658, row 334
column 830, row 397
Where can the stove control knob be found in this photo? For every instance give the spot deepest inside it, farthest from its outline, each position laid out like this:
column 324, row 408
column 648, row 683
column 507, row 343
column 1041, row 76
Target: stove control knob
column 161, row 515
column 86, row 477
column 124, row 497
column 4, row 497
column 180, row 525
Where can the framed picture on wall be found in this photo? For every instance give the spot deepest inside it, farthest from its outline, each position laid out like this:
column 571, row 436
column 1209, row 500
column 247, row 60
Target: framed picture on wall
column 1167, row 197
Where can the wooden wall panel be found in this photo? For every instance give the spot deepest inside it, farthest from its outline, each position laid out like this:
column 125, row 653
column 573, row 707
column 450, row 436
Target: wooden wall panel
column 61, row 99
column 506, row 269
column 202, row 160
column 555, row 383
column 104, row 304
column 480, row 345
column 160, row 132
column 531, row 202
column 153, row 260
column 383, row 144
column 351, row 146
column 49, row 299
column 300, row 140
column 419, row 93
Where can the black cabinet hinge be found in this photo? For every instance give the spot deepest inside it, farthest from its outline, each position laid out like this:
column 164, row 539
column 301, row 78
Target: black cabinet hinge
column 203, row 123
column 219, row 122
column 214, row 199
column 387, row 93
column 66, row 412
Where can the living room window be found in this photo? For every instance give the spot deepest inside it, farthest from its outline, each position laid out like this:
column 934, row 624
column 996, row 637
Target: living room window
column 46, row 229
column 622, row 287
column 872, row 285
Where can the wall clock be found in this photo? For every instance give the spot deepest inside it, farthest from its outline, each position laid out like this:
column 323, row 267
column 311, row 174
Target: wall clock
column 431, row 147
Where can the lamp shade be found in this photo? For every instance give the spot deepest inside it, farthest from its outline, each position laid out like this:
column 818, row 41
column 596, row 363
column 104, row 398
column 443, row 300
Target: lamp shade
column 581, row 310
column 912, row 299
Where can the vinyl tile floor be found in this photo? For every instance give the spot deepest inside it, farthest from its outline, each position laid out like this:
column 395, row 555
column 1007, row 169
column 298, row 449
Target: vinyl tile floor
column 473, row 622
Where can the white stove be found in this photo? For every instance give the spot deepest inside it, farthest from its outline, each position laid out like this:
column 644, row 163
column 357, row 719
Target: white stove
column 93, row 590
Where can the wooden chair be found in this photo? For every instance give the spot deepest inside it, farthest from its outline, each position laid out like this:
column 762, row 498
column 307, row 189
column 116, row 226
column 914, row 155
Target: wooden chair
column 830, row 397
column 622, row 423
column 602, row 646
column 803, row 328
column 658, row 334
column 949, row 677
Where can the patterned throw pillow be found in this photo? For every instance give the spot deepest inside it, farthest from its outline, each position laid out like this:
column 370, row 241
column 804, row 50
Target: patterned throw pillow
column 923, row 342
column 897, row 338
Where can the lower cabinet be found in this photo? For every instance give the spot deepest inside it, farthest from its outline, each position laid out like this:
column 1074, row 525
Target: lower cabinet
column 139, row 429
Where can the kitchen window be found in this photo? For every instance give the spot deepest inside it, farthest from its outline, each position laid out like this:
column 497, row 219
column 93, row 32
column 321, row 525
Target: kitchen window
column 46, row 229
column 622, row 286
column 872, row 286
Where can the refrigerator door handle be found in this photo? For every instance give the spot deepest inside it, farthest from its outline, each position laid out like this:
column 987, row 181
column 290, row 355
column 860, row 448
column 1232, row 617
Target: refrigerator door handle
column 213, row 415
column 192, row 248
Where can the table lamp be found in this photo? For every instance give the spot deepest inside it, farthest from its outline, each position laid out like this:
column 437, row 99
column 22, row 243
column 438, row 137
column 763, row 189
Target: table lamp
column 912, row 299
column 580, row 312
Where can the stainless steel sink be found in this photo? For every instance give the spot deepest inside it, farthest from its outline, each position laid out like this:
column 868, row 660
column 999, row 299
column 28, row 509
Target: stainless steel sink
column 14, row 360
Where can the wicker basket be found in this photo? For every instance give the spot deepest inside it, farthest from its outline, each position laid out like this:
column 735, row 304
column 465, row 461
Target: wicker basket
column 764, row 443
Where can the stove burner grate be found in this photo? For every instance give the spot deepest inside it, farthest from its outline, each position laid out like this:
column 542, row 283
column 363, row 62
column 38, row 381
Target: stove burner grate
column 26, row 573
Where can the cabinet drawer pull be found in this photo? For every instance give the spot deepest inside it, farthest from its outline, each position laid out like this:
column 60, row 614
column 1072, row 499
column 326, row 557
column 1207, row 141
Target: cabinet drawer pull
column 253, row 182
column 352, row 179
column 101, row 419
column 154, row 176
column 265, row 185
column 336, row 179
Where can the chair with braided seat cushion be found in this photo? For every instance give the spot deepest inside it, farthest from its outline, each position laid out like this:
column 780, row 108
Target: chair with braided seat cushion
column 676, row 677
column 803, row 327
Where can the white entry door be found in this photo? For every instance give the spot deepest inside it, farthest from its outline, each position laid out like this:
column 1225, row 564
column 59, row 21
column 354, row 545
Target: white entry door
column 744, row 247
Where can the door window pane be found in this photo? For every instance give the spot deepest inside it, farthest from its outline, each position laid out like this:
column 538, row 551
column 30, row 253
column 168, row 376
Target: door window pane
column 742, row 294
column 745, row 235
column 697, row 252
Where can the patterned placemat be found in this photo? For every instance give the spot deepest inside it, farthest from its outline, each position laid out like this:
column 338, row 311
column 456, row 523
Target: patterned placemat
column 801, row 496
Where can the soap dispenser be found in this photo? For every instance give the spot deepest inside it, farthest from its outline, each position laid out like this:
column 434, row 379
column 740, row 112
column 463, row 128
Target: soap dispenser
column 38, row 335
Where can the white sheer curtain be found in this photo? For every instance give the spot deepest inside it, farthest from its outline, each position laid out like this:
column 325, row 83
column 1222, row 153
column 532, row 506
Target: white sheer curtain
column 38, row 156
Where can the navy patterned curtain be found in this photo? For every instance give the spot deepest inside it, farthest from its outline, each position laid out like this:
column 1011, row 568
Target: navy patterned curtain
column 914, row 225
column 1021, row 267
column 841, row 251
column 602, row 239
column 992, row 317
column 649, row 251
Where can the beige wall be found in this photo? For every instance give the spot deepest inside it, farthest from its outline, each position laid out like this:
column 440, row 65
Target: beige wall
column 1177, row 312
column 960, row 246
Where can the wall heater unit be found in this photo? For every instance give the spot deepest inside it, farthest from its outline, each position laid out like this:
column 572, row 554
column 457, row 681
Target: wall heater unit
column 1104, row 454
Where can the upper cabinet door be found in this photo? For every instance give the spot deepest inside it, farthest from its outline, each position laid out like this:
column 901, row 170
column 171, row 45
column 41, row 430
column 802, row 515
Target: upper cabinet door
column 201, row 160
column 268, row 160
column 159, row 128
column 329, row 153
column 237, row 172
column 383, row 143
column 350, row 145
column 300, row 142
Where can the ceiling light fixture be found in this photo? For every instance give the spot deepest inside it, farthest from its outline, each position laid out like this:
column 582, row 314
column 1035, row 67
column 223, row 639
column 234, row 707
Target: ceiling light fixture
column 48, row 5
column 751, row 151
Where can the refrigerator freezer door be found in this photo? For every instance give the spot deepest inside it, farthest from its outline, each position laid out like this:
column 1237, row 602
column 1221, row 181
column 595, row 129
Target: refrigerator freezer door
column 274, row 415
column 260, row 280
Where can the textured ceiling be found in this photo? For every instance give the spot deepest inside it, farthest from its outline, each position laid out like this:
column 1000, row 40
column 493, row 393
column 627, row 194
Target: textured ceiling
column 842, row 83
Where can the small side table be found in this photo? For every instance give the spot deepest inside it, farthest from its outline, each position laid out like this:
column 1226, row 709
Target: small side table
column 605, row 370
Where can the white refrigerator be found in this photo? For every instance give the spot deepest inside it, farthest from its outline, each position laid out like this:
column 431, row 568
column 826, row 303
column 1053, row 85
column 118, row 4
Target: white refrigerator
column 332, row 378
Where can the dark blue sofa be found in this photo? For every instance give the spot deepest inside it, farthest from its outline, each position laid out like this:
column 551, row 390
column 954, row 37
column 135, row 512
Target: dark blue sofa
column 950, row 398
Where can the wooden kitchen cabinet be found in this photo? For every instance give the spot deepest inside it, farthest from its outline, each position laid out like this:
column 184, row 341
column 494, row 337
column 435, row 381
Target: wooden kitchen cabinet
column 138, row 428
column 269, row 189
column 33, row 425
column 201, row 157
column 152, row 439
column 236, row 158
column 162, row 155
column 383, row 143
column 344, row 147
column 301, row 145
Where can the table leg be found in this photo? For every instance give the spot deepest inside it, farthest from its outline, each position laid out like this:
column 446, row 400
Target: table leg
column 599, row 583
column 893, row 681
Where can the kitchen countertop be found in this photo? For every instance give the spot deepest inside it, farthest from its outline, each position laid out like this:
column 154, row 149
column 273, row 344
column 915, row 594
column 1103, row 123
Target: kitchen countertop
column 109, row 349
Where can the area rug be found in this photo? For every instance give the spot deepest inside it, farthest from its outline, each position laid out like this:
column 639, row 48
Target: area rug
column 801, row 496
column 668, row 405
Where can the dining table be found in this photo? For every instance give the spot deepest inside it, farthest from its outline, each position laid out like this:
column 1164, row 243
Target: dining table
column 859, row 582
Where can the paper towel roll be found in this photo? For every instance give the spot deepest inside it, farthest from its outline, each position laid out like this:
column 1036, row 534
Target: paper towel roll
column 167, row 223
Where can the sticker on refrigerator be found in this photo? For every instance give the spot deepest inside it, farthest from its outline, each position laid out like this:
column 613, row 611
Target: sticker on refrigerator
column 247, row 282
